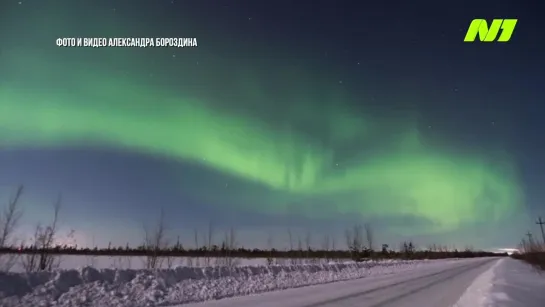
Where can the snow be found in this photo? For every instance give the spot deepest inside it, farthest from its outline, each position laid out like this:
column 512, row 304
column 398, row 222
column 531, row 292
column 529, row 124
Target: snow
column 517, row 284
column 135, row 262
column 437, row 284
column 498, row 283
column 509, row 283
column 479, row 291
column 88, row 286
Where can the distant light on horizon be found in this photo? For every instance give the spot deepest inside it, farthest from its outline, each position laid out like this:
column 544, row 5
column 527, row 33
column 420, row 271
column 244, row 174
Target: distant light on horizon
column 509, row 251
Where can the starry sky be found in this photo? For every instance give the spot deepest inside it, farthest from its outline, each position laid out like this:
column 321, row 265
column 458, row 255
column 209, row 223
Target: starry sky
column 308, row 115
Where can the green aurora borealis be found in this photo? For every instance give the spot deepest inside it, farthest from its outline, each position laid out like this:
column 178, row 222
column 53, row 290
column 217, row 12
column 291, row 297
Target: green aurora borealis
column 273, row 134
column 343, row 164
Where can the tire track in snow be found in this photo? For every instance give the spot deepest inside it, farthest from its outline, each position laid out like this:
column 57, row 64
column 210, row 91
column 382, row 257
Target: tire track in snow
column 436, row 278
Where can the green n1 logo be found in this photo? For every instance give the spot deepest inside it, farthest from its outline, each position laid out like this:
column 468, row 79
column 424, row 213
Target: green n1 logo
column 486, row 34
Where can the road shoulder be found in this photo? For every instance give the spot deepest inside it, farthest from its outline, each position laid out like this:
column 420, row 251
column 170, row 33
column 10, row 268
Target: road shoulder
column 509, row 283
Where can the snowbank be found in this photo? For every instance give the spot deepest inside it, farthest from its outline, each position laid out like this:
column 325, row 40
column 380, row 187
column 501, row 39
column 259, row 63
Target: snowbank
column 109, row 287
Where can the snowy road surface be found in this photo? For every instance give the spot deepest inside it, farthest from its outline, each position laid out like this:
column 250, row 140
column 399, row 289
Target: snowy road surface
column 437, row 286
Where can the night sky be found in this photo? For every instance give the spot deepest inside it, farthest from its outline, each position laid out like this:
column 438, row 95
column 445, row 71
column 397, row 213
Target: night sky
column 308, row 115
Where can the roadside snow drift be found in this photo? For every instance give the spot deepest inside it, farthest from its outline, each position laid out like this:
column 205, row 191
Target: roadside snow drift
column 134, row 288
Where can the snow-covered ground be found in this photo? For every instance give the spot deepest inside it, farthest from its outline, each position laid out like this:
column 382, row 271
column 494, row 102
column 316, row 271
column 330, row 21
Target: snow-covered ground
column 135, row 262
column 468, row 283
column 509, row 283
column 459, row 282
column 132, row 287
column 436, row 284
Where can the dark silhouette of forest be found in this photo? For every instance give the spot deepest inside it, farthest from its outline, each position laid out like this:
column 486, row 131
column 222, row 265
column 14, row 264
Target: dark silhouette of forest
column 532, row 250
column 407, row 252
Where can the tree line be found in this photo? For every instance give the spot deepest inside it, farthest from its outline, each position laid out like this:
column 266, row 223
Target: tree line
column 41, row 252
column 409, row 252
column 532, row 250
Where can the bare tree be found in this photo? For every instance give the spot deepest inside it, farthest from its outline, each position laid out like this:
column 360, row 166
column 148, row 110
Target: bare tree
column 170, row 259
column 369, row 236
column 196, row 241
column 30, row 261
column 91, row 259
column 299, row 250
column 290, row 237
column 209, row 243
column 41, row 258
column 229, row 245
column 348, row 241
column 354, row 239
column 407, row 248
column 524, row 246
column 308, row 245
column 270, row 259
column 155, row 241
column 325, row 247
column 334, row 245
column 9, row 220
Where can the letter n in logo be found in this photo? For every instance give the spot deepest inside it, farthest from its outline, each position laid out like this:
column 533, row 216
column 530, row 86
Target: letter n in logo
column 486, row 34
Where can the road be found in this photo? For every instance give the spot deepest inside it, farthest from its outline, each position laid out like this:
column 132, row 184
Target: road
column 434, row 286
